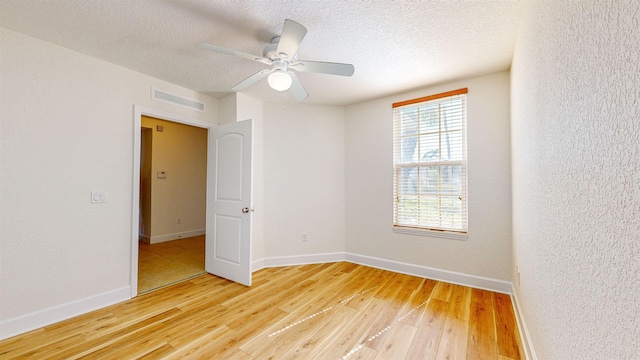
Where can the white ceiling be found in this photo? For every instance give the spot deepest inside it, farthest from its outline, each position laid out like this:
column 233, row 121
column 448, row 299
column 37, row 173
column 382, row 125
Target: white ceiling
column 395, row 46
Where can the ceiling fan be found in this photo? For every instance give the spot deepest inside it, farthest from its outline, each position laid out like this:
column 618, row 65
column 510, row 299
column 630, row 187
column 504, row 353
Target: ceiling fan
column 282, row 55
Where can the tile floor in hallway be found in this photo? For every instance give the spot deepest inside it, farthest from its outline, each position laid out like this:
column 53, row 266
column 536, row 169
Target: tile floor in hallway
column 167, row 262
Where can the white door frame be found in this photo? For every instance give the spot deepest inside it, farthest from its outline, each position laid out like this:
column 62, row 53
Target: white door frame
column 139, row 111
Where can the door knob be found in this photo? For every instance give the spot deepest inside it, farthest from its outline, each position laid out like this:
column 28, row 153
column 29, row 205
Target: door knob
column 245, row 210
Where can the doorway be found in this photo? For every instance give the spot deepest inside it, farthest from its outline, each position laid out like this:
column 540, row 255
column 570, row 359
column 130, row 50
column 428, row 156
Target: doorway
column 169, row 262
column 229, row 168
column 138, row 225
column 173, row 183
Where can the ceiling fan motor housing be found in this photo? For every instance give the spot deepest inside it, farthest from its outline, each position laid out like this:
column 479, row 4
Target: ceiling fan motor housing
column 270, row 51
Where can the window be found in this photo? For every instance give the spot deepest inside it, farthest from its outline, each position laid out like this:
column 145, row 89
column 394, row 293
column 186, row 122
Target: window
column 430, row 164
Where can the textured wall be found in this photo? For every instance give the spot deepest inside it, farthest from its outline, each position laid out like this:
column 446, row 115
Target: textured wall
column 67, row 130
column 576, row 178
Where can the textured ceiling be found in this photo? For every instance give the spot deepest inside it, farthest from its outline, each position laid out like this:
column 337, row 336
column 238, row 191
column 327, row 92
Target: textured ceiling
column 395, row 46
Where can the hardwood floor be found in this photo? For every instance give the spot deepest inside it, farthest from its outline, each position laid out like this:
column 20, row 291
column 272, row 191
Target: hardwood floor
column 168, row 262
column 324, row 311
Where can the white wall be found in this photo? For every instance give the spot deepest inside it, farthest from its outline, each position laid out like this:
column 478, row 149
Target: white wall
column 369, row 184
column 576, row 178
column 303, row 179
column 66, row 130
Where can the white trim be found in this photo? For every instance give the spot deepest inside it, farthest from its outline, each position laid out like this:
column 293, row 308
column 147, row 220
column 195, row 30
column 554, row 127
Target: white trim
column 138, row 111
column 28, row 322
column 297, row 260
column 431, row 233
column 257, row 265
column 22, row 324
column 478, row 282
column 473, row 281
column 175, row 236
column 525, row 338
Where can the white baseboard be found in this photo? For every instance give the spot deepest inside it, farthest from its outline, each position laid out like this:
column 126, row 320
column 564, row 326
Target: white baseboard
column 21, row 324
column 478, row 282
column 297, row 260
column 525, row 339
column 473, row 281
column 32, row 321
column 176, row 236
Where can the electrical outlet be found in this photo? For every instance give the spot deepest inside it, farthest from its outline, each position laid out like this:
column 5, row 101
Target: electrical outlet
column 518, row 274
column 304, row 237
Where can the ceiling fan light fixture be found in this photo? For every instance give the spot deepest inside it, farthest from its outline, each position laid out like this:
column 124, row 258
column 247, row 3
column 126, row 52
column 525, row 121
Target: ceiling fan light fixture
column 279, row 80
column 282, row 54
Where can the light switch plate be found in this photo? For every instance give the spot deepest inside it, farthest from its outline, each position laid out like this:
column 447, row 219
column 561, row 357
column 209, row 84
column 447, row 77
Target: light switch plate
column 98, row 197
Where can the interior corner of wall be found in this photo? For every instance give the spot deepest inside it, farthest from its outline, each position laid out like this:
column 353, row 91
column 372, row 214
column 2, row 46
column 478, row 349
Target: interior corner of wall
column 228, row 109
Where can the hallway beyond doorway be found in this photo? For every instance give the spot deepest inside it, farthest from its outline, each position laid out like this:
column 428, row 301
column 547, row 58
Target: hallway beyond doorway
column 165, row 263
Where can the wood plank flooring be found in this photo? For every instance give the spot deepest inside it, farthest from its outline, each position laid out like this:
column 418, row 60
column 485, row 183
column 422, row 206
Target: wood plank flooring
column 168, row 262
column 324, row 311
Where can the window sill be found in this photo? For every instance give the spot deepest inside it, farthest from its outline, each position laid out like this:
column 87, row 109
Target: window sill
column 430, row 233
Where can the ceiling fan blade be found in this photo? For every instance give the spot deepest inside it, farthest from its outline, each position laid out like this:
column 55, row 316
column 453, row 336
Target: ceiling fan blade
column 252, row 79
column 323, row 67
column 226, row 51
column 291, row 37
column 298, row 91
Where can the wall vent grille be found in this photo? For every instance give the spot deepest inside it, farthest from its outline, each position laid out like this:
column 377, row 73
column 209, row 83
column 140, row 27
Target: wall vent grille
column 163, row 96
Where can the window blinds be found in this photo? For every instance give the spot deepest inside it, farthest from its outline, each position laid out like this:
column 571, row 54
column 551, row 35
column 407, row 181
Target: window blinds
column 430, row 162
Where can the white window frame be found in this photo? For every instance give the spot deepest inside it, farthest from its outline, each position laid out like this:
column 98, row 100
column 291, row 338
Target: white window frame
column 460, row 232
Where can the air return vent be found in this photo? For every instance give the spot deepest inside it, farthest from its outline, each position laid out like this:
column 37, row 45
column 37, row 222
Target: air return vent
column 159, row 95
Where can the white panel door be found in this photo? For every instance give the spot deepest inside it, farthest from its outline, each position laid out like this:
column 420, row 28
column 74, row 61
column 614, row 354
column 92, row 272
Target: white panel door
column 228, row 240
